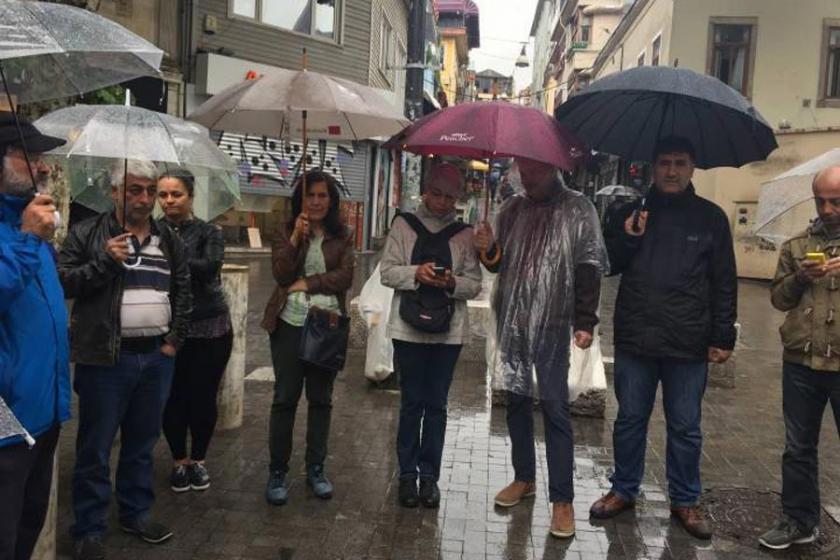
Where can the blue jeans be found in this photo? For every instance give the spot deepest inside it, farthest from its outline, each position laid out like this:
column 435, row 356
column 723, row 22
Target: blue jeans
column 805, row 393
column 683, row 386
column 425, row 376
column 557, row 423
column 129, row 396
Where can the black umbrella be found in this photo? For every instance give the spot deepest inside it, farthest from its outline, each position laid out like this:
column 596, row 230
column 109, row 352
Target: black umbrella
column 627, row 113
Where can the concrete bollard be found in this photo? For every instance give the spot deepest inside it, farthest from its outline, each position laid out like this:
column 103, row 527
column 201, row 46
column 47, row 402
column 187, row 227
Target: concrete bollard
column 232, row 388
column 45, row 547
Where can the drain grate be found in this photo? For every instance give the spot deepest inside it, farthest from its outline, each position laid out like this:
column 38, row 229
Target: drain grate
column 742, row 514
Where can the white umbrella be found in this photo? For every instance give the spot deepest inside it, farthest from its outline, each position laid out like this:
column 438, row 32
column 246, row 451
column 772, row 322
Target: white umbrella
column 276, row 105
column 301, row 104
column 786, row 203
column 618, row 190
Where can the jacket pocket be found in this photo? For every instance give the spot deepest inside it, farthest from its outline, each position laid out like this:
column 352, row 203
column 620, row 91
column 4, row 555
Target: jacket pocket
column 796, row 330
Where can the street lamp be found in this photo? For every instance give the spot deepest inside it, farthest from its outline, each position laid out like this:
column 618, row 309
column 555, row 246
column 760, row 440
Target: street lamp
column 522, row 61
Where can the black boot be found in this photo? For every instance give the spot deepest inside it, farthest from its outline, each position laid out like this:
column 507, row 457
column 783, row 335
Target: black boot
column 429, row 493
column 408, row 493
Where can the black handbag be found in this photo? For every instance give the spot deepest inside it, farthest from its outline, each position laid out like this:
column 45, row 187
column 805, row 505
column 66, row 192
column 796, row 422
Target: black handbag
column 323, row 342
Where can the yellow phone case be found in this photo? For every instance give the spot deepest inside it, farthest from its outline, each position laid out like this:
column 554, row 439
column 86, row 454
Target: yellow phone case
column 819, row 257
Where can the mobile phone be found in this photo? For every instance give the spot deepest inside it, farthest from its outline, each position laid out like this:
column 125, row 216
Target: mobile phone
column 439, row 270
column 818, row 257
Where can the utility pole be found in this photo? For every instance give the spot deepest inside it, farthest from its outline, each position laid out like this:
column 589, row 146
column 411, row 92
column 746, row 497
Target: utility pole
column 416, row 59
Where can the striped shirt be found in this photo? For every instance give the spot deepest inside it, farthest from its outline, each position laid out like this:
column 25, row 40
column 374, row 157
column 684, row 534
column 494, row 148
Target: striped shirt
column 146, row 310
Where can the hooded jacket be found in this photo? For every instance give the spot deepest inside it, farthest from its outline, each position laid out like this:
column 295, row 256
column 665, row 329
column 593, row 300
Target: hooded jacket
column 34, row 349
column 811, row 331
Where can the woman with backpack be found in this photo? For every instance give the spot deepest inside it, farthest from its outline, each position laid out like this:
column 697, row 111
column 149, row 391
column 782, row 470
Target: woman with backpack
column 430, row 262
column 312, row 263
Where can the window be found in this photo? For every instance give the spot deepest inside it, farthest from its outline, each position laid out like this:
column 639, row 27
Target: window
column 641, row 59
column 654, row 55
column 829, row 95
column 586, row 29
column 247, row 8
column 732, row 52
column 318, row 18
column 386, row 49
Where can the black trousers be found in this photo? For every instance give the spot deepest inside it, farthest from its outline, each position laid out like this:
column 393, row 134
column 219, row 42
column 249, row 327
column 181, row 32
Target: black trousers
column 425, row 377
column 199, row 367
column 25, row 480
column 290, row 377
column 805, row 393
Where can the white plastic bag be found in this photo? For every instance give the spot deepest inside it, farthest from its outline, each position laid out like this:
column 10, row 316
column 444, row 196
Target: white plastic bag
column 375, row 308
column 586, row 368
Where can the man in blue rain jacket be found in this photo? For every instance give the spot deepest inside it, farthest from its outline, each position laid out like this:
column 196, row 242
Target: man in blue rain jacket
column 34, row 354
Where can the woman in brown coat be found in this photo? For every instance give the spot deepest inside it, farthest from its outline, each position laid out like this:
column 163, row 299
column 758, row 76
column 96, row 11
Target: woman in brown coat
column 312, row 263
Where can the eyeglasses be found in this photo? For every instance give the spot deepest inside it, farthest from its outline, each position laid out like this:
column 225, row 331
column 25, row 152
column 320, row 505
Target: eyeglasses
column 137, row 190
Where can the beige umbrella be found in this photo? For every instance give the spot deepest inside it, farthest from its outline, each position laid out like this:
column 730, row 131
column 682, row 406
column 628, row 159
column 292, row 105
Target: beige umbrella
column 277, row 105
column 301, row 104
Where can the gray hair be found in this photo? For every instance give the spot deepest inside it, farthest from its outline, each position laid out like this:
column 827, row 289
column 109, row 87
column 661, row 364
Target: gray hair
column 142, row 169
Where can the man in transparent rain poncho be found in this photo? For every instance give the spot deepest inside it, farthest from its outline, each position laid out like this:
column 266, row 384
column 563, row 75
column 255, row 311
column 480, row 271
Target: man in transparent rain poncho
column 549, row 255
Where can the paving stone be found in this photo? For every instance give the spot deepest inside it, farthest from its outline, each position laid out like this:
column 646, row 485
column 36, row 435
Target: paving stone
column 743, row 443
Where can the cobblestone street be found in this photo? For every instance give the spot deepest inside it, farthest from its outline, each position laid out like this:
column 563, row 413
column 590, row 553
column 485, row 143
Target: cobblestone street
column 744, row 436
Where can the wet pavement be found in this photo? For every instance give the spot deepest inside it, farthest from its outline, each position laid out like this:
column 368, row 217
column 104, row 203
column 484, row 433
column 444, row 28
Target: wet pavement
column 744, row 436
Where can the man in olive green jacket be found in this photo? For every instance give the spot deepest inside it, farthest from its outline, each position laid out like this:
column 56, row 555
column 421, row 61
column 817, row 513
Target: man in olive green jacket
column 807, row 287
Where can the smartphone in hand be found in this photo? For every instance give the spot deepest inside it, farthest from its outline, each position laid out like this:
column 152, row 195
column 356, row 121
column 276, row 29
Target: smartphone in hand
column 816, row 257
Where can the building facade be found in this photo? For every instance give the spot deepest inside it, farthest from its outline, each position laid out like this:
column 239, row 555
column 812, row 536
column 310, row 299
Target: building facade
column 490, row 85
column 458, row 29
column 543, row 85
column 784, row 56
column 581, row 31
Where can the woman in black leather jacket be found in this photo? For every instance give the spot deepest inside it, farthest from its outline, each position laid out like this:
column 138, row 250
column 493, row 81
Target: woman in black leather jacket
column 201, row 362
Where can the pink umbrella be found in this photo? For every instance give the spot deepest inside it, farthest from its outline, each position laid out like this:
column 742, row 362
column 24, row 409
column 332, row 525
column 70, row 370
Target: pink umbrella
column 492, row 129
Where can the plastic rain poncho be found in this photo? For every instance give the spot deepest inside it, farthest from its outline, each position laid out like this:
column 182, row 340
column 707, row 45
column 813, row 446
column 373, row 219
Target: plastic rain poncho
column 532, row 304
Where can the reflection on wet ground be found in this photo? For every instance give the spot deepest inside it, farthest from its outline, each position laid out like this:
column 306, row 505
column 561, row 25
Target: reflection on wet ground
column 744, row 437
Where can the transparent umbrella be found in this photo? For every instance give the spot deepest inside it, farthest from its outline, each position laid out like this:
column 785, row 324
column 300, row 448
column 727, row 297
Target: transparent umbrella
column 786, row 203
column 10, row 426
column 49, row 51
column 618, row 190
column 98, row 134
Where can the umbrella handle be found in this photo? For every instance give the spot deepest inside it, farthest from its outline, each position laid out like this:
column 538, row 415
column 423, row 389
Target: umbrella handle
column 637, row 213
column 13, row 110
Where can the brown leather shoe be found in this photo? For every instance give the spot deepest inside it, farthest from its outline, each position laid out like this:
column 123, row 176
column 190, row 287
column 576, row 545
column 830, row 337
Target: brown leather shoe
column 693, row 521
column 562, row 520
column 513, row 493
column 609, row 505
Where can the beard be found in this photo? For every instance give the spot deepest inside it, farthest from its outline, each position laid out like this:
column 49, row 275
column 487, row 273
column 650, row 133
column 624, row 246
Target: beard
column 20, row 184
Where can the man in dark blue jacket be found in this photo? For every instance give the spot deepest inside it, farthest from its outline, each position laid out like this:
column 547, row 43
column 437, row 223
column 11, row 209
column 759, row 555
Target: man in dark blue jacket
column 674, row 314
column 34, row 355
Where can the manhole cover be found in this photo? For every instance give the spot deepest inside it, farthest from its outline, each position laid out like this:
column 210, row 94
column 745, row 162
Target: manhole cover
column 742, row 514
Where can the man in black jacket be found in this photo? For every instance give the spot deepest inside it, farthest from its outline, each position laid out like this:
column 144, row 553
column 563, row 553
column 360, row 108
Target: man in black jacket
column 675, row 312
column 130, row 283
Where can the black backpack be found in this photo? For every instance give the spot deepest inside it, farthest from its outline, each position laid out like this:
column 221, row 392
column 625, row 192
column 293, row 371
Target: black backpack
column 429, row 309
